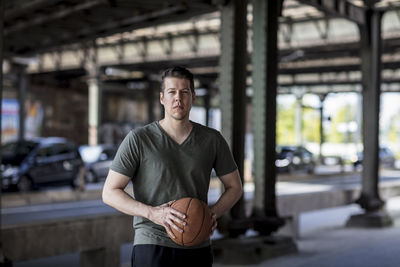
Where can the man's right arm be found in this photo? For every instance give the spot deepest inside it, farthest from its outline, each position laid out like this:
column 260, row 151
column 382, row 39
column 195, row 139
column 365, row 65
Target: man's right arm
column 115, row 196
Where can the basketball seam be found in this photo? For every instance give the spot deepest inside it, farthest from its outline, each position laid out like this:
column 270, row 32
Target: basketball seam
column 201, row 226
column 187, row 208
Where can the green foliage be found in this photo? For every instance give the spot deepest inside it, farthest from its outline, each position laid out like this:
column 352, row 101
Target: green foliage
column 344, row 114
column 285, row 125
column 311, row 124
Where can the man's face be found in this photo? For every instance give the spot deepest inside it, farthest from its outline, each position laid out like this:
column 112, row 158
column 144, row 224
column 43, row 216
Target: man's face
column 177, row 98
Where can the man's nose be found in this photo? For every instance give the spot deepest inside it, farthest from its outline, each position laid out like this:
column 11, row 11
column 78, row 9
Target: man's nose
column 178, row 96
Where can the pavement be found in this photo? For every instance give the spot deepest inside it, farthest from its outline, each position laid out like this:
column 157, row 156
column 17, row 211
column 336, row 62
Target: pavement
column 326, row 242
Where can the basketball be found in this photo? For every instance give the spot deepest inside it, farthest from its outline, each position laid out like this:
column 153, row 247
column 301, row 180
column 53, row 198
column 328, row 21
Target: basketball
column 198, row 222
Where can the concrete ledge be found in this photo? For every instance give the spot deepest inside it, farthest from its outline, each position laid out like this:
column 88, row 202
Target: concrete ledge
column 291, row 206
column 51, row 196
column 377, row 219
column 83, row 234
column 44, row 197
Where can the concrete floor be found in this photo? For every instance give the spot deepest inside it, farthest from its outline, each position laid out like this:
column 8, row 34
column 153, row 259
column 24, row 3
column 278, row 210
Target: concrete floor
column 325, row 242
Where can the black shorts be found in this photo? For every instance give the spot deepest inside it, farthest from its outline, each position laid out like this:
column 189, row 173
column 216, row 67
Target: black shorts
column 159, row 256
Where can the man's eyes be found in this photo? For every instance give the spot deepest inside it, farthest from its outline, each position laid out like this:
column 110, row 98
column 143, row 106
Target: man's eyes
column 183, row 92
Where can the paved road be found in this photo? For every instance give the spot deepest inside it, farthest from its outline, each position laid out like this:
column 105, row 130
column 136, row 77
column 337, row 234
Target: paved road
column 317, row 246
column 89, row 207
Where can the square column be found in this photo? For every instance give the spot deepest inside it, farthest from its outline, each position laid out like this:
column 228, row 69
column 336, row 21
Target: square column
column 94, row 94
column 233, row 62
column 265, row 71
column 371, row 66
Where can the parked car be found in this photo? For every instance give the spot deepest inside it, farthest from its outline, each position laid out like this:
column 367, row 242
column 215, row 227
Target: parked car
column 294, row 158
column 29, row 163
column 97, row 160
column 386, row 158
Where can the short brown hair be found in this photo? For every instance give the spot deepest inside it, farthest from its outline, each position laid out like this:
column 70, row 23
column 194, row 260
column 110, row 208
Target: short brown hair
column 178, row 72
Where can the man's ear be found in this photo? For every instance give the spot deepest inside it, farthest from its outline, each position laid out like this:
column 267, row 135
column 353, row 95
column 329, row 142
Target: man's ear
column 162, row 98
column 193, row 96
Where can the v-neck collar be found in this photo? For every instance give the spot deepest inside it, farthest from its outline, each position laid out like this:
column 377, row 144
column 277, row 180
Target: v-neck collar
column 172, row 139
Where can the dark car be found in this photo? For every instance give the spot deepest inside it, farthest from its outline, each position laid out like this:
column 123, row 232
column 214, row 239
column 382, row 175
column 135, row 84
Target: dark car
column 29, row 163
column 97, row 160
column 386, row 158
column 294, row 158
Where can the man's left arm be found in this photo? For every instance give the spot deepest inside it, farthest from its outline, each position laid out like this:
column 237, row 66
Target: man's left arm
column 233, row 192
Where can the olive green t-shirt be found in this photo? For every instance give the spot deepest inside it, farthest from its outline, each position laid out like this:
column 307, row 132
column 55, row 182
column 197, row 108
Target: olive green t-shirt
column 163, row 170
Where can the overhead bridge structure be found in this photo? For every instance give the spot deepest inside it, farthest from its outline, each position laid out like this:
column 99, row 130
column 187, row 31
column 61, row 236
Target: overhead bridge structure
column 233, row 47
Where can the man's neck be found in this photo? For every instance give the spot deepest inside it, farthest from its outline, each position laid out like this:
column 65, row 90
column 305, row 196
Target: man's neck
column 177, row 129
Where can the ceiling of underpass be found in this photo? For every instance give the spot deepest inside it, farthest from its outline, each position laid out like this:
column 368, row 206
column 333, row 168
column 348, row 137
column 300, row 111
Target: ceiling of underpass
column 34, row 28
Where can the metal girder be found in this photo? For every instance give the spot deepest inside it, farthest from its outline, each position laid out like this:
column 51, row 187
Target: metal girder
column 53, row 16
column 22, row 8
column 331, row 83
column 341, row 8
column 264, row 77
column 232, row 80
column 371, row 81
column 2, row 257
column 78, row 22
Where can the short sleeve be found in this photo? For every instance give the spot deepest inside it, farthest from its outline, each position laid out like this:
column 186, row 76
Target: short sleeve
column 127, row 159
column 224, row 162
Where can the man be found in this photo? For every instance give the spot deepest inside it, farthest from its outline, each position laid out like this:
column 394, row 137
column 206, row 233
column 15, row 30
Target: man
column 168, row 160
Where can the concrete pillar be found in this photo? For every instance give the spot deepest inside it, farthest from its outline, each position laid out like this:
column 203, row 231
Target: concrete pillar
column 322, row 98
column 22, row 87
column 233, row 61
column 2, row 259
column 1, row 66
column 265, row 72
column 298, row 117
column 207, row 105
column 152, row 95
column 369, row 200
column 94, row 95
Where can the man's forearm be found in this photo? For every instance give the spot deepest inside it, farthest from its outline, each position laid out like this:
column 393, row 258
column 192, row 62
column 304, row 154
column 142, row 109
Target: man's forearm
column 227, row 200
column 122, row 201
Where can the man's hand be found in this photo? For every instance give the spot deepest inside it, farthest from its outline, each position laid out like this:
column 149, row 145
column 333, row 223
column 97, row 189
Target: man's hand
column 168, row 217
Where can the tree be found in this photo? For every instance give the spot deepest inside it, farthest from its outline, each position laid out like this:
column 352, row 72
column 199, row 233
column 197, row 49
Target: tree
column 311, row 123
column 285, row 125
column 340, row 132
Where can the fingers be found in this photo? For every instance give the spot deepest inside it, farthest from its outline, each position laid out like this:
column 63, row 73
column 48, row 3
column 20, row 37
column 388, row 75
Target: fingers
column 173, row 219
column 171, row 202
column 178, row 214
column 169, row 231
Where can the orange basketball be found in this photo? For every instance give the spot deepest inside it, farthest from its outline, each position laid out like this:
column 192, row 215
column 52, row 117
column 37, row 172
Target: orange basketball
column 198, row 222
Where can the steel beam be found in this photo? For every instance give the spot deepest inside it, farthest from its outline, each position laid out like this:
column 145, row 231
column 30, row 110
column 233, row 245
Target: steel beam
column 322, row 98
column 264, row 76
column 2, row 259
column 21, row 10
column 43, row 19
column 22, row 84
column 341, row 8
column 371, row 68
column 233, row 62
column 94, row 94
